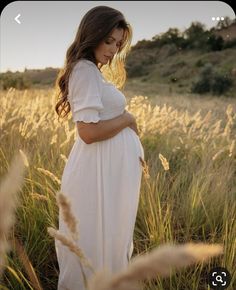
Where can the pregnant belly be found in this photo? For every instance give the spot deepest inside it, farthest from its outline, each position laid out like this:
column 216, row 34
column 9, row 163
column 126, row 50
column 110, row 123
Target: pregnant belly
column 125, row 140
column 123, row 149
column 132, row 140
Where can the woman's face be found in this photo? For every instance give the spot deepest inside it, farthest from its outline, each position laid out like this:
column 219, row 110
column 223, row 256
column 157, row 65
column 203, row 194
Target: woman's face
column 109, row 46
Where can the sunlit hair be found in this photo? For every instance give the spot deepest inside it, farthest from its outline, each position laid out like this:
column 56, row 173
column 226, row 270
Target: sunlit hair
column 94, row 28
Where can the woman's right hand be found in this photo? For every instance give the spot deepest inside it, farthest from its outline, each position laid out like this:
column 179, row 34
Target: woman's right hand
column 129, row 118
column 131, row 121
column 135, row 128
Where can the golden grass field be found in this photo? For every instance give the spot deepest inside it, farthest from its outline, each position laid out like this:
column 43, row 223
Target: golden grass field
column 188, row 191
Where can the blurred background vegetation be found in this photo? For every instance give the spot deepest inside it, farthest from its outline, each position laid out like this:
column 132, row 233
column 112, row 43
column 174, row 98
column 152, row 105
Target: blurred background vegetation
column 195, row 60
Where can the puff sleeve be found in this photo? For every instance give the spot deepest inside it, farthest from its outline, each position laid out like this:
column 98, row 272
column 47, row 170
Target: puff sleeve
column 85, row 89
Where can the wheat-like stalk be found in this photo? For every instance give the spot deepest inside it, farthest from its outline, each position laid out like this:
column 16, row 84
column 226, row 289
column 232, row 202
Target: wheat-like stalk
column 219, row 153
column 68, row 217
column 37, row 196
column 24, row 158
column 63, row 157
column 231, row 148
column 72, row 246
column 50, row 174
column 145, row 167
column 9, row 189
column 164, row 162
column 159, row 262
column 54, row 139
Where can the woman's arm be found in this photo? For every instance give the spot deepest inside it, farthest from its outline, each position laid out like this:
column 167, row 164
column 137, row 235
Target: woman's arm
column 104, row 129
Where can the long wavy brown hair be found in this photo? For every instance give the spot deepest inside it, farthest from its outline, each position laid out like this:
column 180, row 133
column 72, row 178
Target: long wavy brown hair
column 95, row 27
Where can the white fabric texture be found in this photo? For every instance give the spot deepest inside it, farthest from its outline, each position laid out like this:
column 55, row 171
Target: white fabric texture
column 85, row 89
column 102, row 180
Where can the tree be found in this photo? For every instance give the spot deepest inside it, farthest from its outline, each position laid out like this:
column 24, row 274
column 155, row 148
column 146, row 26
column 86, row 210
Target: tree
column 195, row 35
column 215, row 42
column 195, row 30
column 224, row 23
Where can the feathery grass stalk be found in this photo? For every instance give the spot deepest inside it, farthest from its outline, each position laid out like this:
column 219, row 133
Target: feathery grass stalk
column 39, row 197
column 68, row 217
column 9, row 188
column 158, row 262
column 65, row 206
column 50, row 174
column 231, row 148
column 145, row 168
column 164, row 162
column 74, row 249
column 63, row 157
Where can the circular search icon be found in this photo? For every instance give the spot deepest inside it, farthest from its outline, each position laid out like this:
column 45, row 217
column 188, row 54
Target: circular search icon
column 219, row 278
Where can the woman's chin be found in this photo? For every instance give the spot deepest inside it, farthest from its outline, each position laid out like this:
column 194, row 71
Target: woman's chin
column 104, row 62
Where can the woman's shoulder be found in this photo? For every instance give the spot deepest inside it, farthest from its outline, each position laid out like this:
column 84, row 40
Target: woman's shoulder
column 84, row 70
column 86, row 64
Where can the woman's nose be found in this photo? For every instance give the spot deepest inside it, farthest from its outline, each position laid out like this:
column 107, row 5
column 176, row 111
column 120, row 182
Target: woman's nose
column 114, row 49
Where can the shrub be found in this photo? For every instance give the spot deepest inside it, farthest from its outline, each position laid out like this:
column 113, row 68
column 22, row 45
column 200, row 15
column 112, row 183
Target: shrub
column 200, row 63
column 211, row 81
column 215, row 42
column 136, row 70
column 221, row 83
column 203, row 84
column 14, row 81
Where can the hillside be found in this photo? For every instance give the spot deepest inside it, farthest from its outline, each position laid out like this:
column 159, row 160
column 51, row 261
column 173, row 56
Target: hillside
column 169, row 63
column 173, row 61
column 166, row 70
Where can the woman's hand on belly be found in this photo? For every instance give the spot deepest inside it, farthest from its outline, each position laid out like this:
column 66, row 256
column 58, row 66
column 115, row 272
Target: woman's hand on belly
column 132, row 122
column 134, row 127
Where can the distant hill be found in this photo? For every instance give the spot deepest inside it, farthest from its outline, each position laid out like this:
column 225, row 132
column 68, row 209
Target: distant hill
column 30, row 78
column 172, row 60
column 171, row 70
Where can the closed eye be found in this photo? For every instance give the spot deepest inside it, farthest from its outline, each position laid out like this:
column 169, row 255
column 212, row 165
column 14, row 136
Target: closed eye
column 110, row 42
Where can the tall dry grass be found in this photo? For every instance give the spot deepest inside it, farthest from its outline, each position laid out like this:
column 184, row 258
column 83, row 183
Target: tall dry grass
column 9, row 200
column 189, row 195
column 9, row 188
column 158, row 262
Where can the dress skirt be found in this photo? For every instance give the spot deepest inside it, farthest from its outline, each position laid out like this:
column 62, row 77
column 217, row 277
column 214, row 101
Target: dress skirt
column 102, row 181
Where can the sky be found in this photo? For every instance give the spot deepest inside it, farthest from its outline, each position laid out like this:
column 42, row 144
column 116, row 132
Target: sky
column 47, row 28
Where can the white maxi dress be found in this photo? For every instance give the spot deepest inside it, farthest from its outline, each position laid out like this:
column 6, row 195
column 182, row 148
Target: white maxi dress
column 102, row 181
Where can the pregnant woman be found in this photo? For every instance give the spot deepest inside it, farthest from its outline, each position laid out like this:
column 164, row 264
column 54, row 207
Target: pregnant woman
column 102, row 176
